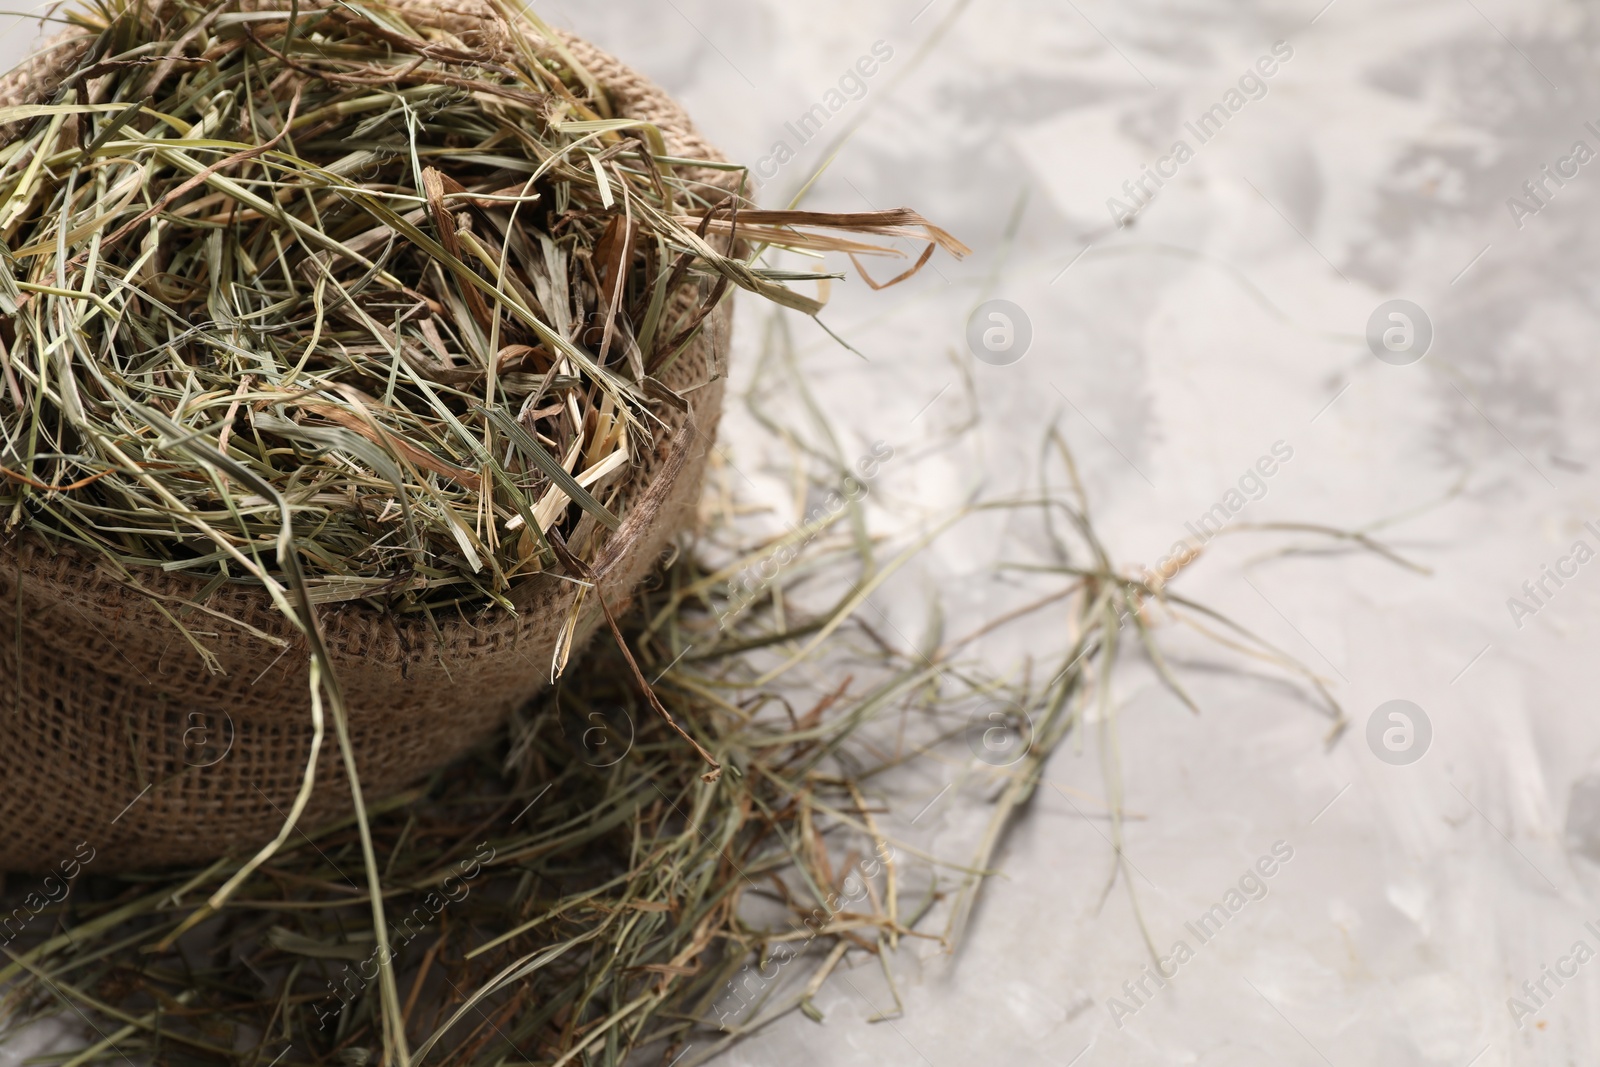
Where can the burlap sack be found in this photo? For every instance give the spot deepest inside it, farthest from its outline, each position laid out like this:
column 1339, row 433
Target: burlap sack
column 113, row 731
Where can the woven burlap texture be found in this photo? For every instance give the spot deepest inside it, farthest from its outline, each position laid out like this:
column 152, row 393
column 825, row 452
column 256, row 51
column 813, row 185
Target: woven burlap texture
column 114, row 732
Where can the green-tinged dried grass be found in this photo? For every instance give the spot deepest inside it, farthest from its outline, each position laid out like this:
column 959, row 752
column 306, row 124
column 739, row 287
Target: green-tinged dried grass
column 321, row 268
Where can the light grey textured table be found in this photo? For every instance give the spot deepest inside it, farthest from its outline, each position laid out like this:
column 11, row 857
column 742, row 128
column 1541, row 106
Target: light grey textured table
column 1384, row 157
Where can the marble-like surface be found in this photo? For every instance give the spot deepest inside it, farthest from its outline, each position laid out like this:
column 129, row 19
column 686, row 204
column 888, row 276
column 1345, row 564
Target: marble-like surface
column 1375, row 162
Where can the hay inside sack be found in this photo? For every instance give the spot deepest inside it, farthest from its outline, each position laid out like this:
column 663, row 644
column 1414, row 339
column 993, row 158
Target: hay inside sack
column 314, row 275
